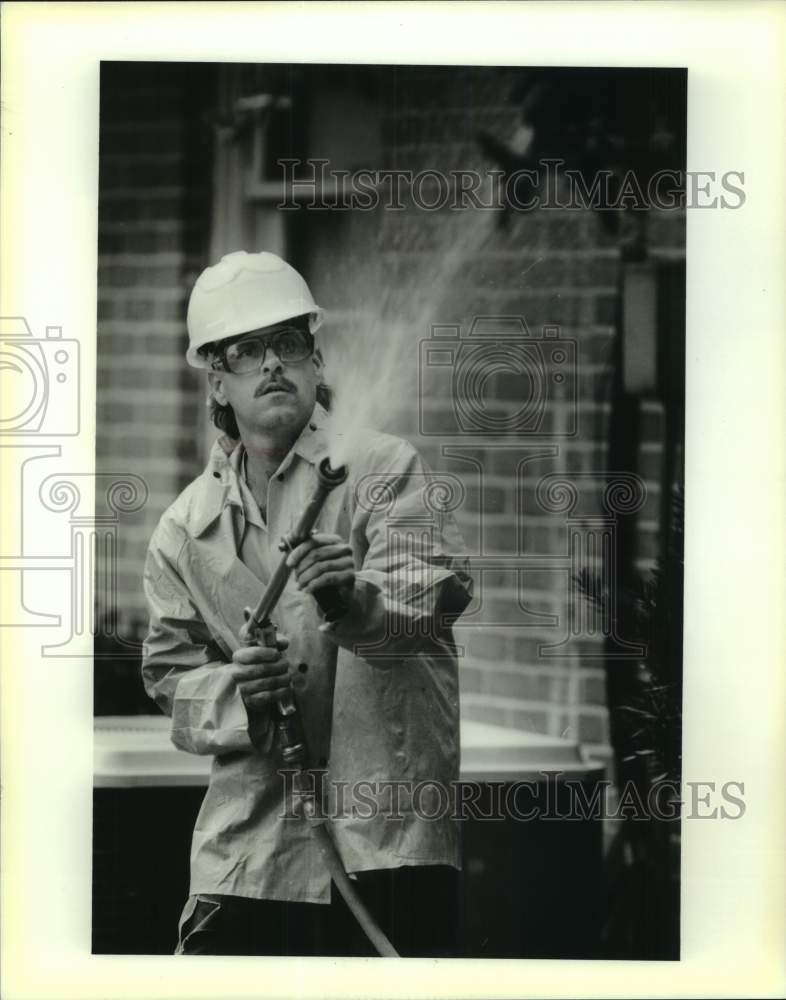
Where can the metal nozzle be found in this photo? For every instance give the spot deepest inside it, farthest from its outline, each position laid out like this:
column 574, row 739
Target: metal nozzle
column 329, row 476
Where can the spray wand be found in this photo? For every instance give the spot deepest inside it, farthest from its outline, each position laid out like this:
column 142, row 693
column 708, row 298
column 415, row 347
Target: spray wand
column 259, row 630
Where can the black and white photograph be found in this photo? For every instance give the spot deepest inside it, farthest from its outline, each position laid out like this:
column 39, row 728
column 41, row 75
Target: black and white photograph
column 407, row 591
column 395, row 573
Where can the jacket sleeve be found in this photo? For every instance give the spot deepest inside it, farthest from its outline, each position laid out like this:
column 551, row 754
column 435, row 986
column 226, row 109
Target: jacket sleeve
column 413, row 578
column 183, row 669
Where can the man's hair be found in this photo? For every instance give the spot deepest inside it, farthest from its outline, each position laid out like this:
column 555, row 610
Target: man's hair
column 224, row 416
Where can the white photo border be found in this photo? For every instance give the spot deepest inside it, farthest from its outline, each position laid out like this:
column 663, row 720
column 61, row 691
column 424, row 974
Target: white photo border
column 733, row 872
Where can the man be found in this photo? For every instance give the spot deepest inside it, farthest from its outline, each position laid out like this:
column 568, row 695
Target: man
column 376, row 684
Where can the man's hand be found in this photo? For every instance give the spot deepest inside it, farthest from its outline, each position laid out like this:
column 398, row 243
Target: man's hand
column 325, row 561
column 261, row 675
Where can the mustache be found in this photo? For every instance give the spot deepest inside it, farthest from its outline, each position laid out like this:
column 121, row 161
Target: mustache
column 276, row 383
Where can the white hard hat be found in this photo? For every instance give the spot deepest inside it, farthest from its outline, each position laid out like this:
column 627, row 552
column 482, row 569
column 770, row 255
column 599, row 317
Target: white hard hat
column 245, row 291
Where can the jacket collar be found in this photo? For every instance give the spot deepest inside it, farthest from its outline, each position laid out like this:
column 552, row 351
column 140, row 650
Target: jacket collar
column 312, row 444
column 219, row 486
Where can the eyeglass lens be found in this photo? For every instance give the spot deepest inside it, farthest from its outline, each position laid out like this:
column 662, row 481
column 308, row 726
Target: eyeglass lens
column 289, row 345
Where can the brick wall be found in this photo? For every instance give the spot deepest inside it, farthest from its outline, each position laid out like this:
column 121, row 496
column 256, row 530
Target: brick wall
column 154, row 194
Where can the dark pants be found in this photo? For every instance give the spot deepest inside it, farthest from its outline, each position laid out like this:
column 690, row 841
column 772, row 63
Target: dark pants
column 416, row 907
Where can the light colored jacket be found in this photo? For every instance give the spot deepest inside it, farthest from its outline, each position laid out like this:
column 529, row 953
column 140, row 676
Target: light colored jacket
column 378, row 690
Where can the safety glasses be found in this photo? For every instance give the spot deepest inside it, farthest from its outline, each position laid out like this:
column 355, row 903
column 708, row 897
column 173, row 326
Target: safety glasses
column 289, row 344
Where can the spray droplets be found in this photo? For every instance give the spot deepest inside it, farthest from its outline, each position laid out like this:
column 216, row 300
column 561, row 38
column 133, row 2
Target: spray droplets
column 372, row 351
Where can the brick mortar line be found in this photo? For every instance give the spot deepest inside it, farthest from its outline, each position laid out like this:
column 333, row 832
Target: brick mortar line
column 158, row 293
column 558, row 406
column 130, row 259
column 506, row 521
column 585, row 367
column 483, row 111
column 542, row 635
column 139, row 193
column 523, row 631
column 668, row 253
column 499, row 592
column 143, row 391
column 479, row 698
column 538, row 521
column 174, row 224
column 175, row 125
column 536, row 671
column 141, row 158
column 601, row 253
column 552, row 291
column 505, row 599
column 510, row 662
column 131, row 327
column 165, row 468
column 570, row 330
column 651, row 485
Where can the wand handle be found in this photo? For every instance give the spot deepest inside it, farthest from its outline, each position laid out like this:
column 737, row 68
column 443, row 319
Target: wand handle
column 328, row 479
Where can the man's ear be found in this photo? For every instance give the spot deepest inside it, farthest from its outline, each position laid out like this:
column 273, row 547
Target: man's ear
column 217, row 388
column 318, row 361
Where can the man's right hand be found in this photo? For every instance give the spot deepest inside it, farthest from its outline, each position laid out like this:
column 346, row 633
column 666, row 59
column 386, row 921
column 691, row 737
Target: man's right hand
column 261, row 674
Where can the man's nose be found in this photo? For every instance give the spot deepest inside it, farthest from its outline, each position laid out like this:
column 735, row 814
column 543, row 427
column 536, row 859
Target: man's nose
column 272, row 362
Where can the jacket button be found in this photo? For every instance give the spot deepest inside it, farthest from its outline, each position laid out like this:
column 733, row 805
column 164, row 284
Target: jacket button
column 216, row 475
column 280, row 477
column 312, row 427
column 302, row 667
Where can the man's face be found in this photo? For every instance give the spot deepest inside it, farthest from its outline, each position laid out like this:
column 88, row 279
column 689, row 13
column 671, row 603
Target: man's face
column 276, row 396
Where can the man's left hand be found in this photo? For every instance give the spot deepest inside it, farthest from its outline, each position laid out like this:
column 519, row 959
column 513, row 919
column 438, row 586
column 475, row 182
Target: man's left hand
column 324, row 560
